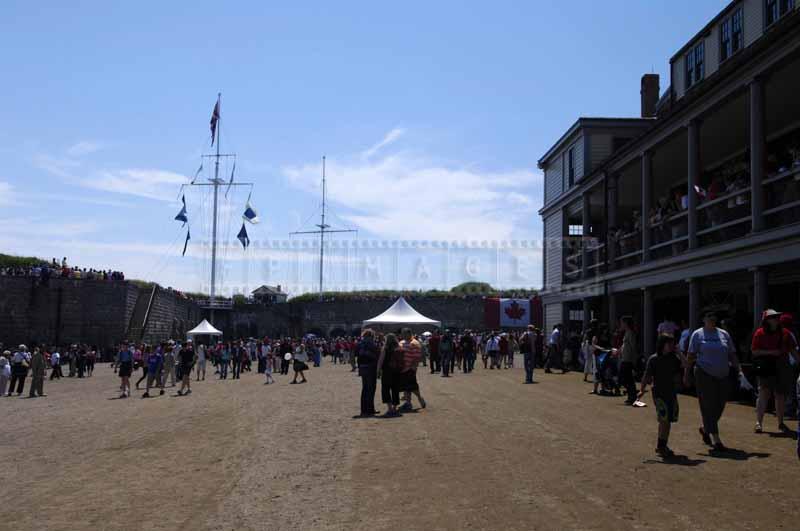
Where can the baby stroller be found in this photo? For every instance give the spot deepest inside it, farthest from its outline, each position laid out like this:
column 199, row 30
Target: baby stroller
column 606, row 376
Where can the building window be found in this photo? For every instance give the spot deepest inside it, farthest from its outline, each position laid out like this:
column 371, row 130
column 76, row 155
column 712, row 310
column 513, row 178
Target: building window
column 571, row 166
column 737, row 35
column 725, row 48
column 775, row 9
column 695, row 65
column 576, row 230
column 731, row 35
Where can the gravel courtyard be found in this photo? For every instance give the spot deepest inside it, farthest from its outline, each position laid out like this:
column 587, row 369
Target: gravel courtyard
column 487, row 453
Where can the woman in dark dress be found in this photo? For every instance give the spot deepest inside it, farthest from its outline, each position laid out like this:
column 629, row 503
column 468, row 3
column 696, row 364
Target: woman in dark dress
column 389, row 366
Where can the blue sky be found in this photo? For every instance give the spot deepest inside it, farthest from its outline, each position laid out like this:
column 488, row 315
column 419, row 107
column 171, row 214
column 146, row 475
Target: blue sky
column 432, row 116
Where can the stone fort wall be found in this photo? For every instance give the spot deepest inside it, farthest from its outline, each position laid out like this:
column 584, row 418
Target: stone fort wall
column 103, row 313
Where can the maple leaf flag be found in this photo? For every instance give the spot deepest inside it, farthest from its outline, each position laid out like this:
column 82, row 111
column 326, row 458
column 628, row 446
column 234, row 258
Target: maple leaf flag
column 508, row 313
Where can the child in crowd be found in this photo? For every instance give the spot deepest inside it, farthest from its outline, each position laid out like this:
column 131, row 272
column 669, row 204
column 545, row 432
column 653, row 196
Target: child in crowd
column 663, row 371
column 268, row 367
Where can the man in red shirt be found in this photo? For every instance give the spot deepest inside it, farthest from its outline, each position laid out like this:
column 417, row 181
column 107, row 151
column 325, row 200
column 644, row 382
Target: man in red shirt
column 770, row 347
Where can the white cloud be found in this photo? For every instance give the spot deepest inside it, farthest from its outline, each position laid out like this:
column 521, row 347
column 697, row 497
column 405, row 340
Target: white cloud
column 82, row 148
column 158, row 185
column 6, row 193
column 58, row 166
column 408, row 196
column 391, row 137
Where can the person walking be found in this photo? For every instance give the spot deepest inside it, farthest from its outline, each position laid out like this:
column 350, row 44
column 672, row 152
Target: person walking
column 527, row 345
column 236, row 361
column 433, row 350
column 467, row 344
column 390, row 364
column 146, row 353
column 55, row 365
column 186, row 359
column 711, row 356
column 270, row 364
column 367, row 356
column 446, row 348
column 300, row 364
column 261, row 356
column 38, row 369
column 412, row 353
column 20, row 362
column 91, row 358
column 125, row 368
column 504, row 349
column 201, row 362
column 169, row 365
column 5, row 371
column 72, row 359
column 628, row 358
column 770, row 348
column 587, row 348
column 155, row 364
column 492, row 349
column 554, row 351
column 224, row 360
column 663, row 371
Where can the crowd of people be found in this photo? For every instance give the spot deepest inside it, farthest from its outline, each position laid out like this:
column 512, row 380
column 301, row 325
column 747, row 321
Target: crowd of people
column 55, row 269
column 703, row 359
column 23, row 362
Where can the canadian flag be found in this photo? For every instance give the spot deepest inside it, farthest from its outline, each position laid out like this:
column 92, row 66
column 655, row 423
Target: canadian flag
column 510, row 313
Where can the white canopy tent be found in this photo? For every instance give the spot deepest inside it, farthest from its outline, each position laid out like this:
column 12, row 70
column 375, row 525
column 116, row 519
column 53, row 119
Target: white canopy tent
column 401, row 313
column 204, row 329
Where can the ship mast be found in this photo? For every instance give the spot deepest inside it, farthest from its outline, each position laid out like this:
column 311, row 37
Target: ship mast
column 216, row 182
column 323, row 230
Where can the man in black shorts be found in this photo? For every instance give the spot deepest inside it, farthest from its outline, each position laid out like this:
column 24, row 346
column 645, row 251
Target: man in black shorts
column 186, row 358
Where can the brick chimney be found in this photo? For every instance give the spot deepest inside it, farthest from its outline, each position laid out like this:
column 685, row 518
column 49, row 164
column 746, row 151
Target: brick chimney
column 650, row 93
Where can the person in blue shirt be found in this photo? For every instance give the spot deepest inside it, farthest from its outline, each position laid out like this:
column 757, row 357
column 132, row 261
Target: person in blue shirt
column 711, row 354
column 125, row 368
column 155, row 363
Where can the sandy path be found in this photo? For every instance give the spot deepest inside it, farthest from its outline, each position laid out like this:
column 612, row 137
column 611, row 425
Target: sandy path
column 488, row 453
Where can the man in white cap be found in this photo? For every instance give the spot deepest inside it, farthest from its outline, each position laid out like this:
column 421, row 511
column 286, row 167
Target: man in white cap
column 20, row 362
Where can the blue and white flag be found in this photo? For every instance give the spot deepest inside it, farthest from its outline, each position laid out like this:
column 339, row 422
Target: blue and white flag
column 182, row 214
column 250, row 213
column 230, row 183
column 243, row 237
column 186, row 243
column 198, row 172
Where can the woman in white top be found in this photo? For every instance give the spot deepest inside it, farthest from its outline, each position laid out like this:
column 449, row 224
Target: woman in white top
column 300, row 363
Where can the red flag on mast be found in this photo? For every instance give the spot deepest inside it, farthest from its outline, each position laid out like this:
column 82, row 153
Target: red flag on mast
column 214, row 120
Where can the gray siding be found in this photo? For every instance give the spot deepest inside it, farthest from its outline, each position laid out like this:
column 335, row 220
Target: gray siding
column 753, row 20
column 600, row 146
column 553, row 228
column 578, row 154
column 553, row 314
column 679, row 77
column 712, row 51
column 553, row 180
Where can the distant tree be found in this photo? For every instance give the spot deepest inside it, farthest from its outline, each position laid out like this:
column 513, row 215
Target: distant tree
column 474, row 288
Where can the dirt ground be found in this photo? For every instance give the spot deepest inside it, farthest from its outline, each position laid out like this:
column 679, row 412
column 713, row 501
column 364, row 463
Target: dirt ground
column 487, row 453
